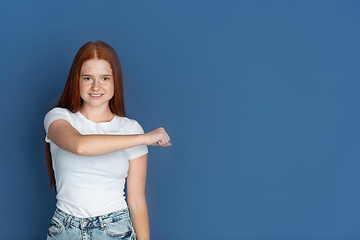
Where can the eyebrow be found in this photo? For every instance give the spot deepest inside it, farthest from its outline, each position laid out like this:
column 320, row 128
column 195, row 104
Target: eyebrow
column 105, row 75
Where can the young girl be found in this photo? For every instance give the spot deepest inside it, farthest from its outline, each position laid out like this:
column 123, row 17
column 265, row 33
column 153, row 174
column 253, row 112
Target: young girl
column 91, row 148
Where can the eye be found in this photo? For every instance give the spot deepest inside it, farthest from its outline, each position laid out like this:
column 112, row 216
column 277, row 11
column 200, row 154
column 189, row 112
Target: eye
column 105, row 78
column 87, row 78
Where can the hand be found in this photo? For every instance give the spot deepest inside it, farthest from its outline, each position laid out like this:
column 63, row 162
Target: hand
column 158, row 137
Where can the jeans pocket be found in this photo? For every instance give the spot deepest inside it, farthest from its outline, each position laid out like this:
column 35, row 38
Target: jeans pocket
column 120, row 228
column 56, row 226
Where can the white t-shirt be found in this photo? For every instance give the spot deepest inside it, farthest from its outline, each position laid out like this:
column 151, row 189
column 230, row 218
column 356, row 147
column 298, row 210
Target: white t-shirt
column 89, row 186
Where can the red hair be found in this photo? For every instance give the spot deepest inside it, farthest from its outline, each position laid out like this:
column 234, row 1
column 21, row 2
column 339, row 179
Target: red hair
column 70, row 97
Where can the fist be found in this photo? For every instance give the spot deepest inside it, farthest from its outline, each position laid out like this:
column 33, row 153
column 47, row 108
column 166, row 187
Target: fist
column 157, row 137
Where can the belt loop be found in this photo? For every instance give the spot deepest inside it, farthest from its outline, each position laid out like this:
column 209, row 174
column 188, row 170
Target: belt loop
column 68, row 221
column 101, row 223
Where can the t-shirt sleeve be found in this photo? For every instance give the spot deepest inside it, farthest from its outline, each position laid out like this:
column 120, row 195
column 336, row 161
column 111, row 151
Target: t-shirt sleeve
column 55, row 114
column 139, row 150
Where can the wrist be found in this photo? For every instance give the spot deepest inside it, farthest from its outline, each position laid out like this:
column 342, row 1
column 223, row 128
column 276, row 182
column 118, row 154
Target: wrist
column 142, row 139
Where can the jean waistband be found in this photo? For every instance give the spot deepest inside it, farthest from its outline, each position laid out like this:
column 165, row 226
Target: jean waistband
column 92, row 221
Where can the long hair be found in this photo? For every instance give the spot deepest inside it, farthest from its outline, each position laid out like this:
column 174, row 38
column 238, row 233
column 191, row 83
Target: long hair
column 70, row 97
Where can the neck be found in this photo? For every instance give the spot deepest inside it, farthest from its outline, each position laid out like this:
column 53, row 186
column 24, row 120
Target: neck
column 99, row 114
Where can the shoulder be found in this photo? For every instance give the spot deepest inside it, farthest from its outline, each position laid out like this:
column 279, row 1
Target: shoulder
column 59, row 110
column 131, row 126
column 55, row 114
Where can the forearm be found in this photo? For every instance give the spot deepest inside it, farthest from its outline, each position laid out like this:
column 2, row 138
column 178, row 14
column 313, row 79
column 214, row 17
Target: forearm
column 94, row 145
column 140, row 220
column 64, row 135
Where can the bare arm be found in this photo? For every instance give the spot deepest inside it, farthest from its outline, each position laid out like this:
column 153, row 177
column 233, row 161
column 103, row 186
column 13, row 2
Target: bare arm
column 64, row 135
column 136, row 197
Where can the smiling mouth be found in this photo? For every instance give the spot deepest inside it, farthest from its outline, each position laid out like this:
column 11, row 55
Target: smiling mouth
column 96, row 95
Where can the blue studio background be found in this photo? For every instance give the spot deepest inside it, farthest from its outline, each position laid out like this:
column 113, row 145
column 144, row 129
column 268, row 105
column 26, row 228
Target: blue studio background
column 260, row 99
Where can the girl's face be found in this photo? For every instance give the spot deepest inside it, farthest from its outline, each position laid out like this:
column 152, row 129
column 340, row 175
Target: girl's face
column 96, row 83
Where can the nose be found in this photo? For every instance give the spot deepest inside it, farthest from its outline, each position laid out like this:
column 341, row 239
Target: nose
column 96, row 85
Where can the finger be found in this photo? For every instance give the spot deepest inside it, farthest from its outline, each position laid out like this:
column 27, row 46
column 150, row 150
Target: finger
column 163, row 138
column 165, row 144
column 166, row 139
column 166, row 135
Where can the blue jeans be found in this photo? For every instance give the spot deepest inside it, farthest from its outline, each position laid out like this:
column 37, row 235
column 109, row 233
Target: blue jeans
column 116, row 225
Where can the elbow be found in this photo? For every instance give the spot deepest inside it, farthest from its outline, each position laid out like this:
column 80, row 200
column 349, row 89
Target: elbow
column 136, row 202
column 137, row 205
column 80, row 149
